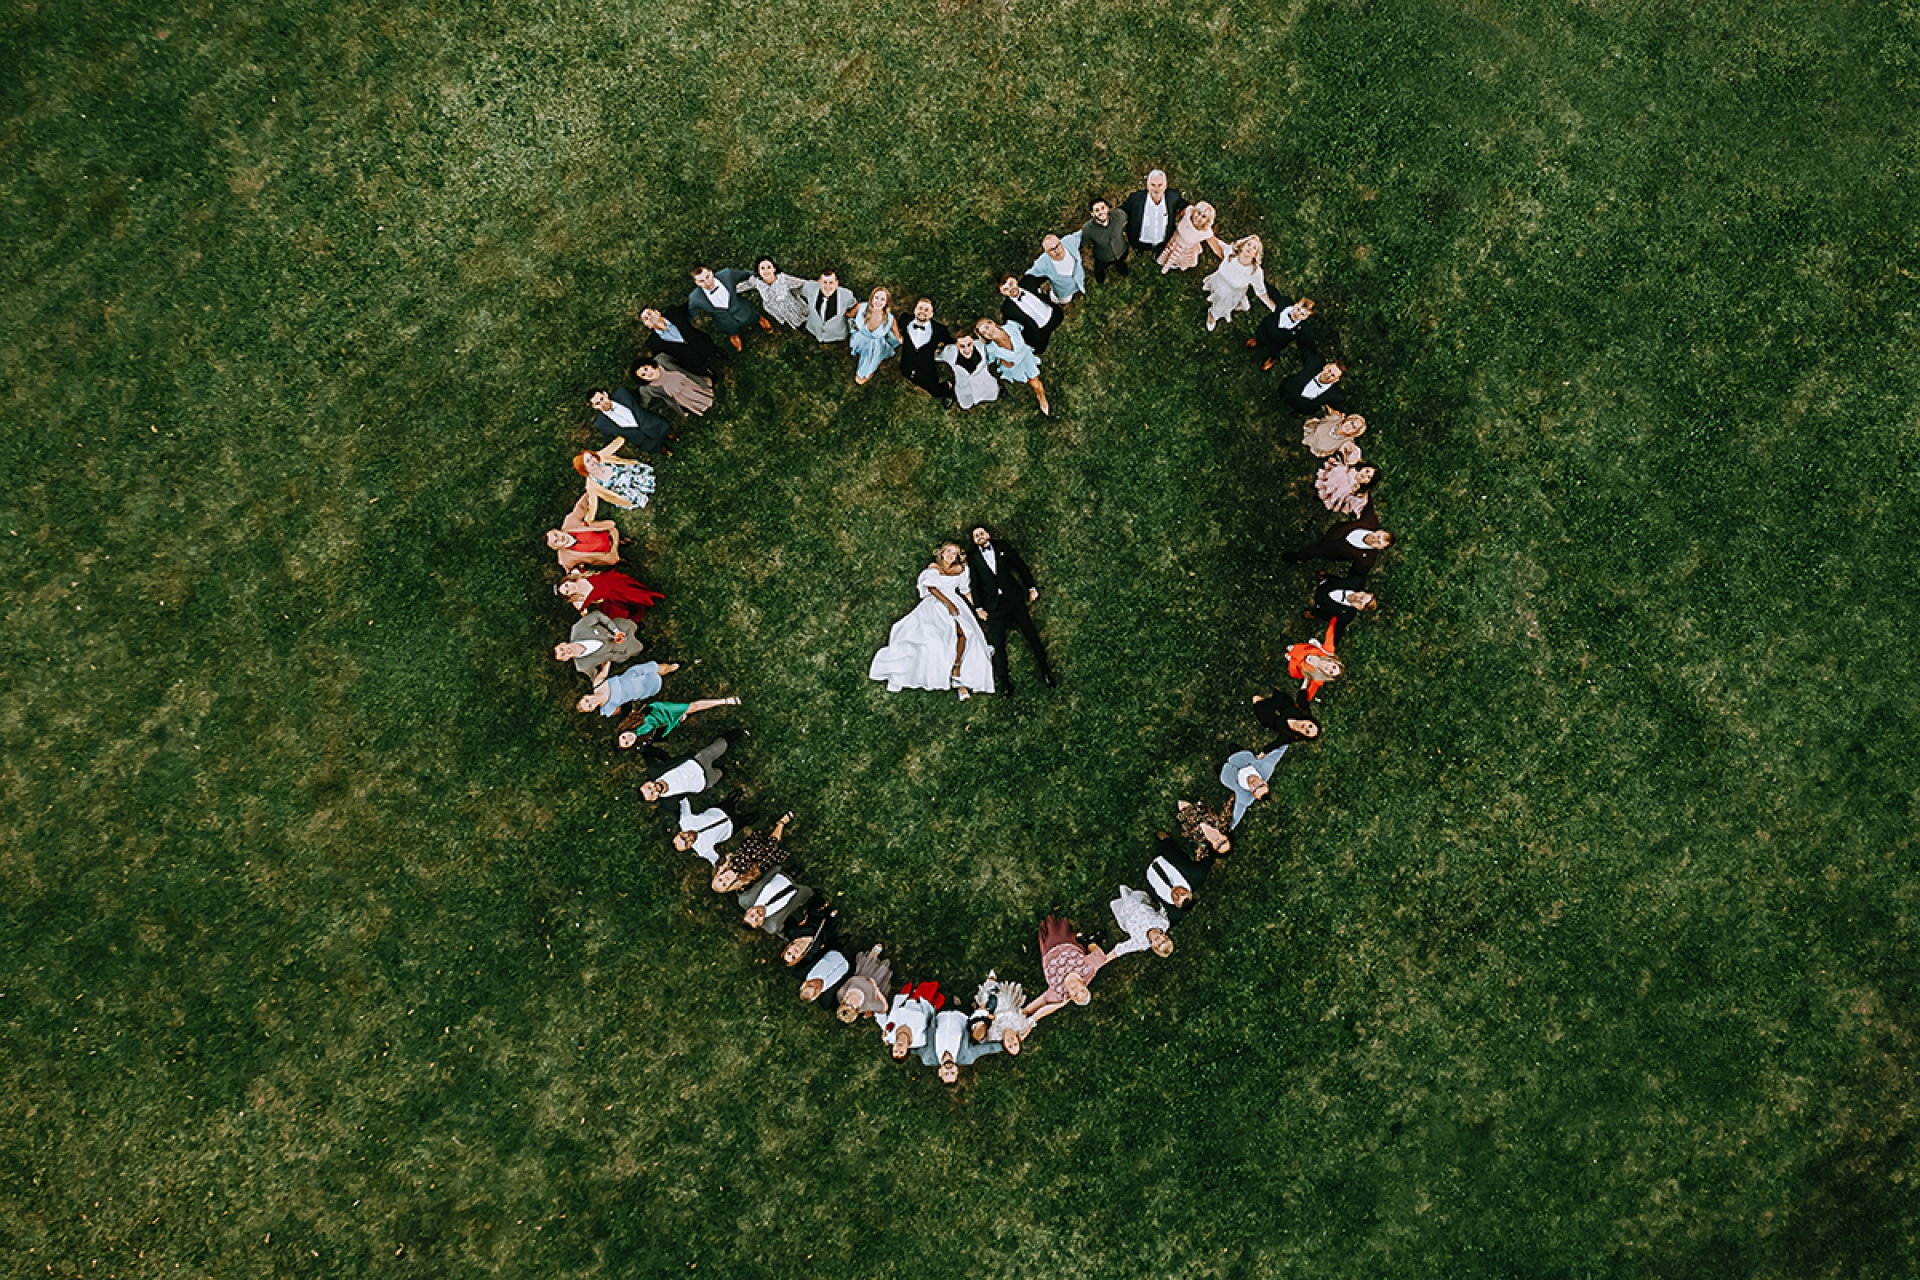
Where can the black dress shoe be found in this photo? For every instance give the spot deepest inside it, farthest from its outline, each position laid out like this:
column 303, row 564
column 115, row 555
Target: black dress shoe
column 1049, row 681
column 1006, row 691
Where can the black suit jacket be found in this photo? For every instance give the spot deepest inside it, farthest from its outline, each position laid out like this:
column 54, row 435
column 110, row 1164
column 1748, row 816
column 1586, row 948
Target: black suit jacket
column 1306, row 335
column 1334, row 397
column 1002, row 592
column 650, row 430
column 1333, row 545
column 1036, row 336
column 1326, row 608
column 697, row 354
column 1273, row 712
column 918, row 363
column 1136, row 207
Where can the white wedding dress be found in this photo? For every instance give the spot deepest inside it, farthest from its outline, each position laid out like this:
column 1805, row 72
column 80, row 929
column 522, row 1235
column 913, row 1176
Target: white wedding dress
column 919, row 652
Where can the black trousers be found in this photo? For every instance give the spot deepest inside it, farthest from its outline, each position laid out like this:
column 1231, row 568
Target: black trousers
column 928, row 380
column 996, row 628
column 1118, row 266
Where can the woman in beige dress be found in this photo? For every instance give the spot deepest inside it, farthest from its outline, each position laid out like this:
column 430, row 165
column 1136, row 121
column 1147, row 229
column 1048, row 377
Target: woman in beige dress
column 1332, row 430
column 1183, row 246
column 663, row 383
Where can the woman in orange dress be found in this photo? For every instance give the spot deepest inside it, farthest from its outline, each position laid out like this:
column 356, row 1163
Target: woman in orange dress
column 1313, row 663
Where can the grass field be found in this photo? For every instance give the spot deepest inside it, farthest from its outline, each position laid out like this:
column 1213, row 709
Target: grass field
column 1583, row 944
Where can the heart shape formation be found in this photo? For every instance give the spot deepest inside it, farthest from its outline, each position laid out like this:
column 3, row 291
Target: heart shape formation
column 679, row 376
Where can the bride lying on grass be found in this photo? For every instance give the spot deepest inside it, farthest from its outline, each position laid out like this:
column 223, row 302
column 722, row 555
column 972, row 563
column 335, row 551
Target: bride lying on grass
column 939, row 645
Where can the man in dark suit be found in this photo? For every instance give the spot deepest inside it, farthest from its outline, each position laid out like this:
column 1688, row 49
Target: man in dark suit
column 671, row 333
column 1002, row 588
column 1152, row 214
column 1175, row 875
column 1291, row 325
column 920, row 341
column 1311, row 390
column 1036, row 316
column 622, row 416
column 718, row 294
column 1342, row 599
column 1358, row 541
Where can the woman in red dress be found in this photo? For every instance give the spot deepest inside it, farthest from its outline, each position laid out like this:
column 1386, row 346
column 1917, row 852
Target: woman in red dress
column 616, row 594
column 581, row 539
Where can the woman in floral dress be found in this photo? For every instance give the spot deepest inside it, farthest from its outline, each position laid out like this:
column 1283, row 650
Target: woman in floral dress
column 615, row 479
column 779, row 293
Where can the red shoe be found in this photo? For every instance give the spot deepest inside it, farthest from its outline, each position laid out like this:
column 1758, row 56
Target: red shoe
column 735, row 340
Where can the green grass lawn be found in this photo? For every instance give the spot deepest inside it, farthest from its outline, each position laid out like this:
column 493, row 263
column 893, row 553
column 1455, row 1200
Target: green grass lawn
column 336, row 943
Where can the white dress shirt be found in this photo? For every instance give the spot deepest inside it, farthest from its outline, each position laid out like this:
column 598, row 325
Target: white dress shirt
column 718, row 295
column 713, row 828
column 1035, row 306
column 1153, row 221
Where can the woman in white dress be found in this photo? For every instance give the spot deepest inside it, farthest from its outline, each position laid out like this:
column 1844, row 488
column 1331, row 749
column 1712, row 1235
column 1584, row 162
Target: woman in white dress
column 939, row 645
column 1227, row 287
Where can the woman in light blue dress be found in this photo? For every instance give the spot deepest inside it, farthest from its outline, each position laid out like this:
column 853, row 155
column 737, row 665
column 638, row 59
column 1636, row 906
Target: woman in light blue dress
column 874, row 335
column 1012, row 358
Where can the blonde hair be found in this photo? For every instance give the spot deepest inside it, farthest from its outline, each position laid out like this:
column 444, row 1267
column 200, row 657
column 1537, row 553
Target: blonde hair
column 1200, row 214
column 1250, row 242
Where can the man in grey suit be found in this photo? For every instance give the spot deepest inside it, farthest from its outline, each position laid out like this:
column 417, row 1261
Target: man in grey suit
column 718, row 294
column 596, row 643
column 829, row 304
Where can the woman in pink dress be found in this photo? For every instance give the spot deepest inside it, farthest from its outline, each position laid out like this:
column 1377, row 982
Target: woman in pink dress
column 1344, row 482
column 1194, row 229
column 1067, row 965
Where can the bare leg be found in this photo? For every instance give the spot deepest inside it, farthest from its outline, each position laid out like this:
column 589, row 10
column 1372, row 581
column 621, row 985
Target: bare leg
column 707, row 704
column 959, row 652
column 1040, row 391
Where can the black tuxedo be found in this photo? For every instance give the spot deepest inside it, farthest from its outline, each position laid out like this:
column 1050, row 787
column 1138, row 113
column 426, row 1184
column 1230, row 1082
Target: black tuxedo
column 1334, row 397
column 1136, row 207
column 1334, row 545
column 1002, row 593
column 919, row 363
column 1038, row 335
column 697, row 354
column 650, row 430
column 1306, row 335
column 1326, row 608
column 1172, row 855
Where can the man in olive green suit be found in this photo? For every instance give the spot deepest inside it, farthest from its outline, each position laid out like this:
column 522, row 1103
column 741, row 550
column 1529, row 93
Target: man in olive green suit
column 597, row 643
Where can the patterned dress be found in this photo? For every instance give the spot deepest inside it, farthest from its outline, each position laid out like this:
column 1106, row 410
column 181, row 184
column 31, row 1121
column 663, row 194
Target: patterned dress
column 630, row 483
column 1061, row 957
column 1135, row 913
column 781, row 299
column 1215, row 816
column 754, row 855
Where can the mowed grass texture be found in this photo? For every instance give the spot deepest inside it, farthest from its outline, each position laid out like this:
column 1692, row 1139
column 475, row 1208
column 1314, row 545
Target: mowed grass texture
column 336, row 944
